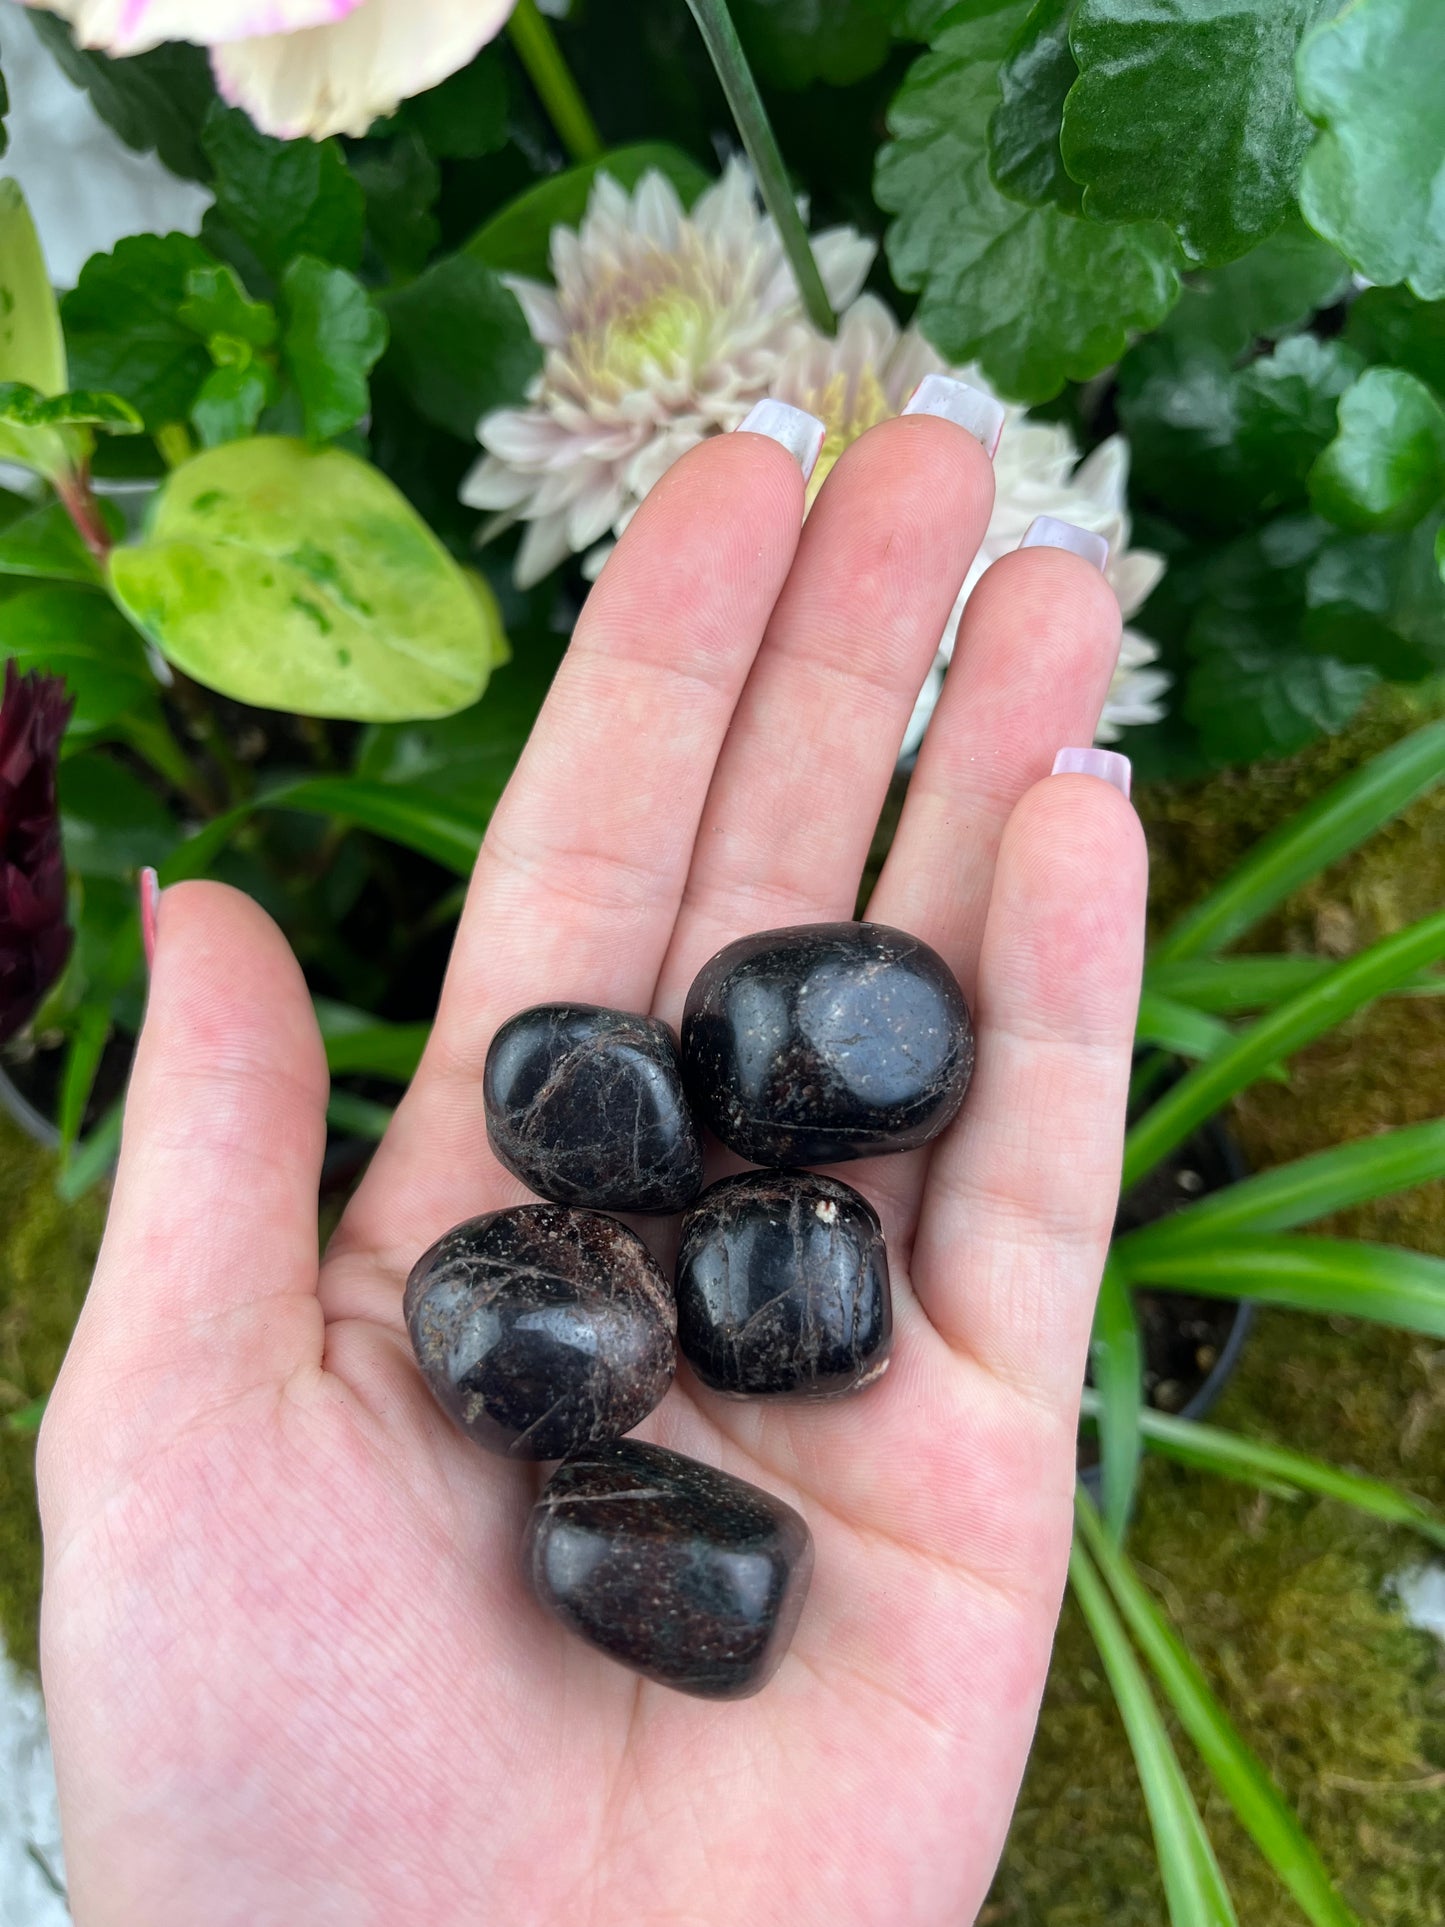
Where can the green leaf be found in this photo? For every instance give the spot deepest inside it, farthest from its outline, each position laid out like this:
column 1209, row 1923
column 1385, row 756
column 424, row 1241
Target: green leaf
column 32, row 350
column 155, row 101
column 1252, row 695
column 466, row 760
column 401, row 183
column 1277, row 1469
column 1187, row 115
column 460, row 345
column 1035, row 296
column 230, row 402
column 1386, row 467
column 26, row 1422
column 794, row 43
column 1287, row 406
column 426, row 824
column 358, row 1044
column 516, row 239
column 284, row 198
column 1036, row 75
column 1370, row 80
column 124, row 327
column 466, row 116
column 72, row 633
column 94, row 1159
column 1389, row 325
column 26, row 407
column 1194, row 1888
column 1297, row 1193
column 352, row 1116
column 1116, row 1356
column 1227, row 985
column 77, row 1078
column 1177, row 1027
column 1378, row 599
column 112, row 824
column 1323, row 832
column 45, row 543
column 334, row 337
column 216, row 304
column 1237, row 1772
column 1279, row 284
column 295, row 578
column 1325, row 1003
column 1333, row 1276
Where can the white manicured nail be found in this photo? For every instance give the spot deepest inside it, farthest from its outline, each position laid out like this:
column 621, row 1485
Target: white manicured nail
column 1048, row 532
column 955, row 401
column 1107, row 764
column 792, row 428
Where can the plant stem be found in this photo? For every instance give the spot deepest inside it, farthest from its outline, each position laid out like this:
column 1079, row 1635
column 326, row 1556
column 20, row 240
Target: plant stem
column 720, row 35
column 80, row 505
column 549, row 73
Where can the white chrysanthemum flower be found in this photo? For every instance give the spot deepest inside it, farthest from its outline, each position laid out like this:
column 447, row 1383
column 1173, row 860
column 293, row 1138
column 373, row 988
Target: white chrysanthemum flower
column 664, row 327
column 313, row 67
column 867, row 374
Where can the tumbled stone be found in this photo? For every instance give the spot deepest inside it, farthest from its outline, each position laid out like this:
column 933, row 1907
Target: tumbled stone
column 586, row 1106
column 542, row 1329
column 782, row 1287
column 687, row 1575
column 826, row 1042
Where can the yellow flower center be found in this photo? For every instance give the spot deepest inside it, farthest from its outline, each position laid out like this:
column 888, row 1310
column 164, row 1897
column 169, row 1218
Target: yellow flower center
column 847, row 406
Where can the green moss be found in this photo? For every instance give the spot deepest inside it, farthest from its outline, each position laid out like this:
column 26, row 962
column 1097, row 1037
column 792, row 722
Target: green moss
column 1285, row 1605
column 47, row 1250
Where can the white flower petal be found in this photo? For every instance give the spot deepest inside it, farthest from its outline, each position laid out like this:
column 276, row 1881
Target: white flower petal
column 131, row 26
column 338, row 79
column 543, row 546
column 1134, row 575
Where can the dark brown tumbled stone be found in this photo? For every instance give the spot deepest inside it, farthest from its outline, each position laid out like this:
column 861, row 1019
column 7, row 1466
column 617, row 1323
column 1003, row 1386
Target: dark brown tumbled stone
column 586, row 1106
column 826, row 1042
column 688, row 1576
column 782, row 1287
column 542, row 1329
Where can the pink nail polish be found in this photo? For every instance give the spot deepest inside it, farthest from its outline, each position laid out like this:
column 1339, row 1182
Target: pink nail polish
column 1107, row 764
column 1048, row 532
column 150, row 904
column 954, row 401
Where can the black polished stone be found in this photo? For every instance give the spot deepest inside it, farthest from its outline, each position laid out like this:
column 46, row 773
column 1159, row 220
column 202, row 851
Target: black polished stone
column 690, row 1577
column 542, row 1329
column 826, row 1042
column 586, row 1106
column 782, row 1287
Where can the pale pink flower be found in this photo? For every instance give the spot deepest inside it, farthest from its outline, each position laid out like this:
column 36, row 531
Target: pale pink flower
column 867, row 373
column 663, row 327
column 314, row 67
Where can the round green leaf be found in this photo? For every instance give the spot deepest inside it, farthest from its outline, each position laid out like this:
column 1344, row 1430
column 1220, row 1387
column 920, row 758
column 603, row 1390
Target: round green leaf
column 297, row 578
column 1374, row 81
column 1386, row 466
column 72, row 633
column 1034, row 82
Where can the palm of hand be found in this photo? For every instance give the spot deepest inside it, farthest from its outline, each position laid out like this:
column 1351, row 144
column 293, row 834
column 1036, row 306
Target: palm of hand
column 293, row 1671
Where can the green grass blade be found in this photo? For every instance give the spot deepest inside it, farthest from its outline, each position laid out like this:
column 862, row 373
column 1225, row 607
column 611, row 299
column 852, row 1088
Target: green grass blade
column 1312, row 1187
column 363, row 1045
column 1225, row 986
column 1334, row 1276
column 1236, row 1770
column 82, row 1064
column 1277, row 1469
column 94, row 1158
column 1178, row 1027
column 1314, row 1010
column 1193, row 1885
column 26, row 1422
column 1117, row 1354
column 1330, row 828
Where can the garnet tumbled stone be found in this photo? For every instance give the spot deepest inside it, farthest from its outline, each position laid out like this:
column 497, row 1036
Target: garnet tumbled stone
column 826, row 1042
column 690, row 1577
column 542, row 1329
column 586, row 1106
column 782, row 1286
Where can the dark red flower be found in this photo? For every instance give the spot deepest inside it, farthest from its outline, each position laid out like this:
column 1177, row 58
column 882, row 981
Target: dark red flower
column 35, row 939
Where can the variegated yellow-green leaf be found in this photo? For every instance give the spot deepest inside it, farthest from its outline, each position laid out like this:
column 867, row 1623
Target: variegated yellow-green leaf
column 299, row 578
column 32, row 348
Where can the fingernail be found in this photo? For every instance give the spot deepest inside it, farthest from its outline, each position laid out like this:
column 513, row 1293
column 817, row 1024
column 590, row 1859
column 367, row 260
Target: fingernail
column 792, row 428
column 1048, row 532
column 150, row 904
column 955, row 401
column 1107, row 764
